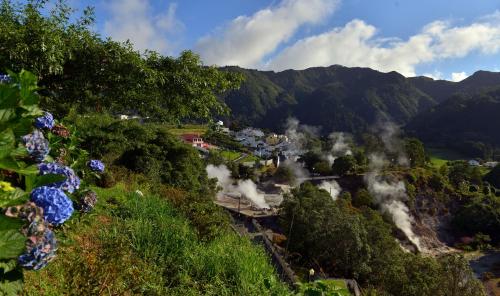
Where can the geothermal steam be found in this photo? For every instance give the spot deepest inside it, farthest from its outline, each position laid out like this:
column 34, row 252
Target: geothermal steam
column 390, row 195
column 332, row 187
column 244, row 187
column 340, row 147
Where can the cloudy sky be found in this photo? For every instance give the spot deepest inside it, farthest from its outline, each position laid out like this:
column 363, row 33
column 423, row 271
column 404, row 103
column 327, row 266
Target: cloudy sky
column 442, row 39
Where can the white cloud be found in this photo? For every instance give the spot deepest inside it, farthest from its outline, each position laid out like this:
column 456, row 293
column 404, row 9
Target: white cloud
column 136, row 21
column 458, row 76
column 356, row 44
column 247, row 40
column 436, row 75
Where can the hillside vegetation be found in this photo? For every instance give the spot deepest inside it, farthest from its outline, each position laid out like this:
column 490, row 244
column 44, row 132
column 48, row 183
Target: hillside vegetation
column 352, row 100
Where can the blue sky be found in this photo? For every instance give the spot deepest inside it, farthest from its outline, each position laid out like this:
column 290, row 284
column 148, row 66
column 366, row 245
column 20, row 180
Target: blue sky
column 442, row 39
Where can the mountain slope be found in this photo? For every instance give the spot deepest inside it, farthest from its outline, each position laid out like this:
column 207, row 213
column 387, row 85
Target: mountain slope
column 466, row 122
column 336, row 98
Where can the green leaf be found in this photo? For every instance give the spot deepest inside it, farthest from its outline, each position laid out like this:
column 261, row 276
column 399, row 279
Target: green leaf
column 8, row 223
column 8, row 97
column 7, row 114
column 7, row 138
column 8, row 265
column 11, row 284
column 48, row 179
column 12, row 244
column 15, row 197
column 10, row 164
column 22, row 127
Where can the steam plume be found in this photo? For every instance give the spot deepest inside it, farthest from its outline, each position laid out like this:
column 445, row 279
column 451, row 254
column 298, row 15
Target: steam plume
column 390, row 195
column 332, row 187
column 245, row 187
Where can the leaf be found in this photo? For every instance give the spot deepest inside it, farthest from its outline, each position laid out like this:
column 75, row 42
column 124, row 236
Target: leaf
column 10, row 164
column 11, row 284
column 22, row 127
column 12, row 244
column 7, row 114
column 8, row 97
column 8, row 265
column 7, row 139
column 15, row 197
column 48, row 179
column 8, row 223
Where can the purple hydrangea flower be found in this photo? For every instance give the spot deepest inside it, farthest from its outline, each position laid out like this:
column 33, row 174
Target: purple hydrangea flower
column 4, row 78
column 40, row 251
column 57, row 207
column 96, row 165
column 70, row 184
column 37, row 145
column 45, row 121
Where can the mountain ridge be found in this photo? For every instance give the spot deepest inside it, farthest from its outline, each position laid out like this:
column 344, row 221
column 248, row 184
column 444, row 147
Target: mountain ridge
column 339, row 98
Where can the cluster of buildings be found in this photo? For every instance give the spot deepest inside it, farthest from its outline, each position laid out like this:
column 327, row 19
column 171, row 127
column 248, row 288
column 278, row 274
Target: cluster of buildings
column 262, row 145
column 265, row 146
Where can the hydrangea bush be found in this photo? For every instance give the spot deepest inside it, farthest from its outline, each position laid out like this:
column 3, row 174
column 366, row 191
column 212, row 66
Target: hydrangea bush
column 40, row 169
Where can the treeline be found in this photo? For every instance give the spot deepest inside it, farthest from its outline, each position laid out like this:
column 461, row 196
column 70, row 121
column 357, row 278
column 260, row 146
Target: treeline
column 79, row 69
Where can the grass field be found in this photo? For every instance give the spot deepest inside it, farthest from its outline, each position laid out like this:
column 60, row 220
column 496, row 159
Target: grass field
column 230, row 155
column 187, row 129
column 249, row 157
column 141, row 245
column 440, row 156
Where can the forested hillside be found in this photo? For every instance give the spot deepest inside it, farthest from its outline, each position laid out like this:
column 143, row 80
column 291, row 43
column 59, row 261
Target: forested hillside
column 354, row 99
column 336, row 98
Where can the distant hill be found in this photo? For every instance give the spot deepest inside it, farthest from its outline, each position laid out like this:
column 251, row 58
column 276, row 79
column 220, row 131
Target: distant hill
column 336, row 98
column 469, row 123
column 339, row 98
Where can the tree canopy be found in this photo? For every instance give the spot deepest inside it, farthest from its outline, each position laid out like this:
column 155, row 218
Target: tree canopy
column 78, row 69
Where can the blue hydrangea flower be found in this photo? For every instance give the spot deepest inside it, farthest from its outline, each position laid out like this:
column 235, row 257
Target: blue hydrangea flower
column 70, row 184
column 4, row 78
column 37, row 145
column 40, row 251
column 57, row 207
column 45, row 121
column 96, row 165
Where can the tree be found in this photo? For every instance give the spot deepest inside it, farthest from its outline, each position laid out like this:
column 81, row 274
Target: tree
column 344, row 165
column 458, row 279
column 310, row 158
column 325, row 232
column 77, row 69
column 493, row 177
column 284, row 174
column 362, row 198
column 415, row 151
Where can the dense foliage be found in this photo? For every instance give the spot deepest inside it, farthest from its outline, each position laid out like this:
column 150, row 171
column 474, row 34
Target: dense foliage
column 336, row 98
column 349, row 242
column 467, row 123
column 78, row 69
column 137, row 244
column 37, row 194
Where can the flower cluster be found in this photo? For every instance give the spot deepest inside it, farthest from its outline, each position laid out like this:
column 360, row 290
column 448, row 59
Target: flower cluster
column 96, row 165
column 37, row 145
column 61, row 131
column 4, row 78
column 45, row 121
column 70, row 184
column 41, row 243
column 40, row 250
column 87, row 201
column 57, row 207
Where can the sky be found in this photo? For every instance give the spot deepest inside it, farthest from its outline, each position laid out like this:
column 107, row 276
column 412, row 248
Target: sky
column 441, row 39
